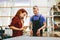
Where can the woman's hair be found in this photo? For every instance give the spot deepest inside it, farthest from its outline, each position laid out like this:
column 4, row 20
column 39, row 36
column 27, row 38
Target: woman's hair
column 20, row 11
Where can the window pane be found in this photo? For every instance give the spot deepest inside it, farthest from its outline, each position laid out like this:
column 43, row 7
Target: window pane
column 5, row 11
column 29, row 10
column 5, row 21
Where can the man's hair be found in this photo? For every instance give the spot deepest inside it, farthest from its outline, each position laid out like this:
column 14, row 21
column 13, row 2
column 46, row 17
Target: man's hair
column 34, row 7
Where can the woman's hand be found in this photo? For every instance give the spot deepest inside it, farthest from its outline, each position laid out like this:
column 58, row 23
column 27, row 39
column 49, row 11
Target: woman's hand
column 25, row 27
column 21, row 28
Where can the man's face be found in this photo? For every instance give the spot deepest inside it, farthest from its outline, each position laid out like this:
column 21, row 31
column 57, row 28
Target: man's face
column 35, row 10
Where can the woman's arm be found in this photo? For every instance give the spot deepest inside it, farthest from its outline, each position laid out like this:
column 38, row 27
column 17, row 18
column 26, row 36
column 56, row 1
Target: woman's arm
column 14, row 28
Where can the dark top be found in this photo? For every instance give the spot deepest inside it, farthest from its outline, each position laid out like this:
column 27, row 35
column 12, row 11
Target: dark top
column 16, row 22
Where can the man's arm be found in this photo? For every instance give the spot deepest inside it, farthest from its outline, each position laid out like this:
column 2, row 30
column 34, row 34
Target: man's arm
column 44, row 22
column 31, row 31
column 30, row 25
column 38, row 31
column 44, row 26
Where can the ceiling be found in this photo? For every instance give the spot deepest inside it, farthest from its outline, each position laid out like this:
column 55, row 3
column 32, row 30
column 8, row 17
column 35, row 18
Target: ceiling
column 15, row 0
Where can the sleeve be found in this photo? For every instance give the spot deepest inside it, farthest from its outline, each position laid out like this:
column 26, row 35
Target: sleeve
column 30, row 19
column 43, row 19
column 13, row 22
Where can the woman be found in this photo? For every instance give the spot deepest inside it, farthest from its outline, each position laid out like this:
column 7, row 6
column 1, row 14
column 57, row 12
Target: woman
column 17, row 23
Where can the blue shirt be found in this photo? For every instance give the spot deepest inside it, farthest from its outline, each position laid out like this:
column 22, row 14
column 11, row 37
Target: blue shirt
column 36, row 17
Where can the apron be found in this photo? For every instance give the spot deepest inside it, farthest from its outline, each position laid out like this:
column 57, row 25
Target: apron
column 36, row 25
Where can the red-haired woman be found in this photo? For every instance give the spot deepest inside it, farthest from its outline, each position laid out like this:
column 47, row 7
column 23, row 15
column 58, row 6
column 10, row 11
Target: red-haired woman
column 17, row 23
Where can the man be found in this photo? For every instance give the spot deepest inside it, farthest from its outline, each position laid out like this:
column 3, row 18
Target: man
column 38, row 23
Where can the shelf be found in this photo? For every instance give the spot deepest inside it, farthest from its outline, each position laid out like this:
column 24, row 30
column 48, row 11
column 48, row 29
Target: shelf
column 23, row 7
column 6, row 16
column 56, row 15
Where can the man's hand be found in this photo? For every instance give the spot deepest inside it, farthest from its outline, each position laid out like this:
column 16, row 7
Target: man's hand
column 38, row 32
column 31, row 32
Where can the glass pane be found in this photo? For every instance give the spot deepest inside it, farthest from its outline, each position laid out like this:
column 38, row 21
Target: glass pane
column 29, row 10
column 5, row 3
column 5, row 11
column 0, row 22
column 21, row 2
column 5, row 21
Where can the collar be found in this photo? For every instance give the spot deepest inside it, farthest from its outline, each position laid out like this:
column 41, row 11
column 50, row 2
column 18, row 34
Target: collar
column 37, row 14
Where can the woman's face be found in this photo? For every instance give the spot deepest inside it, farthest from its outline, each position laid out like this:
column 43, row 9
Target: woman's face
column 22, row 15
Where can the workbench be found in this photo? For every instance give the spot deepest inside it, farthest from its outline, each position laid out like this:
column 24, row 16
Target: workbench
column 33, row 38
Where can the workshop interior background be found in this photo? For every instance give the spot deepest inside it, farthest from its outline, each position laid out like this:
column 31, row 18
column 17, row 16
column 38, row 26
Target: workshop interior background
column 50, row 9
